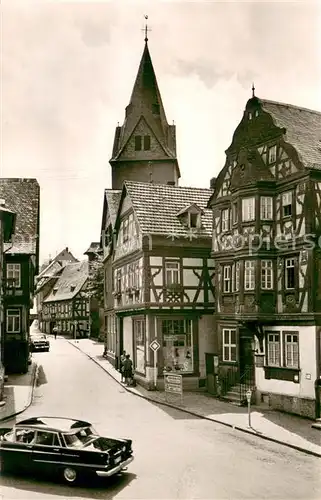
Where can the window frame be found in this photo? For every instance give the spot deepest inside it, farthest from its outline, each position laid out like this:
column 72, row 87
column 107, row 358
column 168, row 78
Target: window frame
column 172, row 271
column 139, row 330
column 274, row 343
column 249, row 275
column 229, row 345
column 227, row 278
column 286, row 275
column 272, row 154
column 287, row 204
column 146, row 142
column 291, row 343
column 13, row 269
column 17, row 310
column 265, row 208
column 248, row 209
column 234, row 213
column 268, row 266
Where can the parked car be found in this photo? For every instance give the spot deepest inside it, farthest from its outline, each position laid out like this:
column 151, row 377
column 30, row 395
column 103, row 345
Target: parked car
column 39, row 342
column 68, row 447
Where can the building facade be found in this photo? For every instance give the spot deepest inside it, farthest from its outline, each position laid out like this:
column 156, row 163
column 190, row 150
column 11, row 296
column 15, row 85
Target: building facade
column 161, row 284
column 21, row 260
column 266, row 246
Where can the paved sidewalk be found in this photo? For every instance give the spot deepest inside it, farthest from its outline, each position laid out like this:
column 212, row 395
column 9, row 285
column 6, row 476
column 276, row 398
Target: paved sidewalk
column 18, row 392
column 283, row 428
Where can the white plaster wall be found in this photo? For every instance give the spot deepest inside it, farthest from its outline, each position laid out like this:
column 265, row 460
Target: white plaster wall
column 307, row 357
column 158, row 278
column 188, row 261
column 155, row 261
column 128, row 335
column 189, row 278
column 206, row 340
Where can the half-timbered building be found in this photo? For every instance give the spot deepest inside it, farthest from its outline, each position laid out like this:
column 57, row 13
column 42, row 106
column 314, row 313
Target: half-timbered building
column 266, row 245
column 66, row 306
column 21, row 260
column 163, row 280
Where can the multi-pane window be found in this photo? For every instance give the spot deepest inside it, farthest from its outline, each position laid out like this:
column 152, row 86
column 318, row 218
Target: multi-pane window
column 290, row 273
column 225, row 219
column 146, row 142
column 248, row 209
column 266, row 274
column 14, row 275
column 172, row 272
column 125, row 230
column 226, row 279
column 273, row 349
column 266, row 208
column 13, row 321
column 178, row 344
column 287, row 204
column 234, row 213
column 291, row 350
column 229, row 344
column 272, row 154
column 249, row 275
column 138, row 142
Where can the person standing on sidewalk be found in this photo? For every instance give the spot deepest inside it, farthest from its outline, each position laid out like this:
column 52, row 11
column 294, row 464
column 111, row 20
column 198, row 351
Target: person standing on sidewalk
column 55, row 331
column 122, row 361
column 128, row 370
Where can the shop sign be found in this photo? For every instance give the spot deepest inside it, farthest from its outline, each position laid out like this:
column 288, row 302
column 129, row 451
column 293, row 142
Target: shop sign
column 173, row 383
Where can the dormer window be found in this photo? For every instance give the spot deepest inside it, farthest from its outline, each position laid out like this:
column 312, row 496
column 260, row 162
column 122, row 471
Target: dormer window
column 190, row 216
column 194, row 220
column 125, row 230
column 72, row 288
column 250, row 116
column 55, row 290
column 272, row 154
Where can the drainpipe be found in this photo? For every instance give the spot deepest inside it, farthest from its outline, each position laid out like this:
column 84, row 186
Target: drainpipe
column 317, row 383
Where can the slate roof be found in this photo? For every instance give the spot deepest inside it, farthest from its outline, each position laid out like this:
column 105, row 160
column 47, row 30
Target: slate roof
column 22, row 197
column 50, row 268
column 303, row 129
column 156, row 207
column 113, row 199
column 74, row 274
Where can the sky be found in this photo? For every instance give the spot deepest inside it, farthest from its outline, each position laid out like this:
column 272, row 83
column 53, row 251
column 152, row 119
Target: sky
column 67, row 72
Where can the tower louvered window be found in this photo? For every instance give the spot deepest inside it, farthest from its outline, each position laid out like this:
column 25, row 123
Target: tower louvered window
column 146, row 142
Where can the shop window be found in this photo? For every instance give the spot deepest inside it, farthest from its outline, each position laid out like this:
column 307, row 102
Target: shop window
column 291, row 349
column 172, row 272
column 178, row 345
column 229, row 344
column 13, row 320
column 139, row 338
column 273, row 349
column 14, row 275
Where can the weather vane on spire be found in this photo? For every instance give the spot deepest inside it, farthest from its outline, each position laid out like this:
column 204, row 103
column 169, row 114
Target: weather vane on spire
column 253, row 90
column 146, row 29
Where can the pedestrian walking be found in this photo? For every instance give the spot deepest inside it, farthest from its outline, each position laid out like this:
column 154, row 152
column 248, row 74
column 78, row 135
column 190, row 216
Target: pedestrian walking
column 128, row 370
column 122, row 360
column 55, row 331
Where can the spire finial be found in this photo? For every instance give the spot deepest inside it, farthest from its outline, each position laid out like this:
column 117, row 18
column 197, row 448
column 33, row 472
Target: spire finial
column 146, row 29
column 253, row 90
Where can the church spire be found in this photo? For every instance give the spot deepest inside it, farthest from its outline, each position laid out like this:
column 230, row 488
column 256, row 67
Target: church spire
column 145, row 116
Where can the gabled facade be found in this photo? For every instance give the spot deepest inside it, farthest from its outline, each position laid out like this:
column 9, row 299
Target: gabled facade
column 266, row 227
column 95, row 290
column 66, row 306
column 21, row 261
column 162, row 281
column 47, row 276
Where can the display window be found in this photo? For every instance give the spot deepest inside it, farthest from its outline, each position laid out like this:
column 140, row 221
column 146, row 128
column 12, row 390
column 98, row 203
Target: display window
column 139, row 336
column 178, row 345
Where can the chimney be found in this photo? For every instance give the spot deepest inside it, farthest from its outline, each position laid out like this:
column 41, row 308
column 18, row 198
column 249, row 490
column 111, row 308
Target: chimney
column 170, row 183
column 212, row 183
column 2, row 202
column 67, row 249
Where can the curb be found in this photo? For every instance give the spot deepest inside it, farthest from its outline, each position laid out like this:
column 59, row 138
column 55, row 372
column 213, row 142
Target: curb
column 198, row 415
column 30, row 396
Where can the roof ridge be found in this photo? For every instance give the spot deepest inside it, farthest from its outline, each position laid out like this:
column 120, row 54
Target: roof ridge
column 167, row 186
column 278, row 103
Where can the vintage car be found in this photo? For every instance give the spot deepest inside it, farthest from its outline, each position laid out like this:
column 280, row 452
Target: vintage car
column 67, row 447
column 39, row 342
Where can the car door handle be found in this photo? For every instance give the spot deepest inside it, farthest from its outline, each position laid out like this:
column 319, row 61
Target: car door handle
column 56, row 449
column 29, row 446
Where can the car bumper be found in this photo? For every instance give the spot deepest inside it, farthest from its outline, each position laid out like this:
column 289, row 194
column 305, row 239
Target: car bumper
column 40, row 347
column 111, row 472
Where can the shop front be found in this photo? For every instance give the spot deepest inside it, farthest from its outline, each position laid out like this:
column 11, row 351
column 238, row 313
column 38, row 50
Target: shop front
column 178, row 346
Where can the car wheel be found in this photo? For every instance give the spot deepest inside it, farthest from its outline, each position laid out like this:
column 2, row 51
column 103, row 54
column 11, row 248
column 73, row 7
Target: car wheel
column 70, row 475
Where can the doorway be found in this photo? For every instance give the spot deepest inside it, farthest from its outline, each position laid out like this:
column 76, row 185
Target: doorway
column 246, row 358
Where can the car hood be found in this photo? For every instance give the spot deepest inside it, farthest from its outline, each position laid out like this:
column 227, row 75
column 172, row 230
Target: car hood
column 104, row 444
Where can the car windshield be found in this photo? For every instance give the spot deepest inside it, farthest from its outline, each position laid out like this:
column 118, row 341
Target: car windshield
column 80, row 437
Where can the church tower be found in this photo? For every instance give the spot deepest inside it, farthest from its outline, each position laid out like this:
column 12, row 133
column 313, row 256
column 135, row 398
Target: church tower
column 145, row 145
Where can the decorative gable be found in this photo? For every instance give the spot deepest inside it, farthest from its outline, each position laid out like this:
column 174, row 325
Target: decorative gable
column 249, row 169
column 141, row 143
